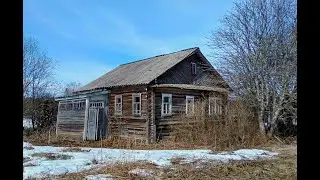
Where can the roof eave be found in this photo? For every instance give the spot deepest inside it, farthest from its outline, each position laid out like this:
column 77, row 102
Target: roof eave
column 83, row 94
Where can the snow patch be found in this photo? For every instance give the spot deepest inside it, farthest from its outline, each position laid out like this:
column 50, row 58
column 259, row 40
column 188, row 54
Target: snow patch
column 82, row 160
column 141, row 172
column 253, row 153
column 26, row 144
column 99, row 177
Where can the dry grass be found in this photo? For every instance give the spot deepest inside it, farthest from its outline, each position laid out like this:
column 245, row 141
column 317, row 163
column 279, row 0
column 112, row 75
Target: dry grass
column 29, row 165
column 52, row 156
column 238, row 129
column 28, row 147
column 41, row 139
column 75, row 149
column 283, row 168
column 176, row 160
column 26, row 159
column 119, row 171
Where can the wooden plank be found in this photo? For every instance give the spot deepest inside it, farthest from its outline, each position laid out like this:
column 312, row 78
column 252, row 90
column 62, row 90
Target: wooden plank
column 148, row 120
column 152, row 119
column 57, row 120
column 84, row 137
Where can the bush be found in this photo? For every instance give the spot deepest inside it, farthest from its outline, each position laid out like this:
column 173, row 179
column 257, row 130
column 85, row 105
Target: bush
column 42, row 111
column 237, row 129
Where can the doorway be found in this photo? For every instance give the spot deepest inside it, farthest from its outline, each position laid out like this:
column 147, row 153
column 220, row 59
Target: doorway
column 95, row 120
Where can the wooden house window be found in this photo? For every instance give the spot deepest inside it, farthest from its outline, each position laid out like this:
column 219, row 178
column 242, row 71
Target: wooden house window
column 79, row 105
column 215, row 106
column 118, row 104
column 166, row 106
column 136, row 104
column 72, row 105
column 189, row 105
column 194, row 68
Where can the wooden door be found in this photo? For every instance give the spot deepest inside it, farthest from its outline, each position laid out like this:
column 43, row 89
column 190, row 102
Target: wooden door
column 92, row 125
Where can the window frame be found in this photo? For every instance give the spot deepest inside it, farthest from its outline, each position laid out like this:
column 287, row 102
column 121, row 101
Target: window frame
column 72, row 105
column 169, row 104
column 189, row 97
column 217, row 110
column 133, row 102
column 193, row 68
column 116, row 103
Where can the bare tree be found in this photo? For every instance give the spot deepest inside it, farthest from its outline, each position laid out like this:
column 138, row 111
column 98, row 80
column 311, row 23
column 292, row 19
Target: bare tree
column 38, row 79
column 256, row 51
column 71, row 87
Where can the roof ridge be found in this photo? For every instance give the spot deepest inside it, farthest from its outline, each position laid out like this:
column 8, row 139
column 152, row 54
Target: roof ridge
column 159, row 56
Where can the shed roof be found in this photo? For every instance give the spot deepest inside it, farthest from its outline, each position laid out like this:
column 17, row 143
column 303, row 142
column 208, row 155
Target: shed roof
column 139, row 72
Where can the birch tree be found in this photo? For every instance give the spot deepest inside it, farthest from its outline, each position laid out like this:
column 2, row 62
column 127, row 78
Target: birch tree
column 256, row 51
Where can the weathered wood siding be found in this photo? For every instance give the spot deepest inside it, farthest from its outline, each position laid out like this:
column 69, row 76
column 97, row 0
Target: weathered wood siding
column 179, row 107
column 70, row 123
column 127, row 124
column 181, row 73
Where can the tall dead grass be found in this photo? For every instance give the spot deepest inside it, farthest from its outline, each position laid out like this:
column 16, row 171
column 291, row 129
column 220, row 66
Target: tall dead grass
column 236, row 129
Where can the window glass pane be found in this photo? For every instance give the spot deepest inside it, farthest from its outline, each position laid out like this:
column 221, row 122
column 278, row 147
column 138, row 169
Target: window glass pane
column 165, row 108
column 166, row 99
column 136, row 99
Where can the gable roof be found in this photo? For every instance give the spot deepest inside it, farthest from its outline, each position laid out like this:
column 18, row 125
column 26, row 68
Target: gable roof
column 139, row 72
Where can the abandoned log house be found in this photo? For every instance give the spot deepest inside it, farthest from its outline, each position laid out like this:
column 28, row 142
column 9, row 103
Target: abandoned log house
column 141, row 99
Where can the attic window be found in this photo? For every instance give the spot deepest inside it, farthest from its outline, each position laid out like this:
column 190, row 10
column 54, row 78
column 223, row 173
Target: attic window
column 194, row 68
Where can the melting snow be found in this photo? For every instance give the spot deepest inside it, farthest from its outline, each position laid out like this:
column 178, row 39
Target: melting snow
column 83, row 160
column 99, row 177
column 141, row 172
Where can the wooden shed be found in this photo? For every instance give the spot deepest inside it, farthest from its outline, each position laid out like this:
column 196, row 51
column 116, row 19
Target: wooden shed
column 140, row 99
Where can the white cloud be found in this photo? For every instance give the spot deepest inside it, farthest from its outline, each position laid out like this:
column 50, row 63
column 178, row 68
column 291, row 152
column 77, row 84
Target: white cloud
column 79, row 70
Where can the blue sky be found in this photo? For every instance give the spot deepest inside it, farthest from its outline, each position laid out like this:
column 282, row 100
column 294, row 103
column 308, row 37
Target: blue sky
column 89, row 38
